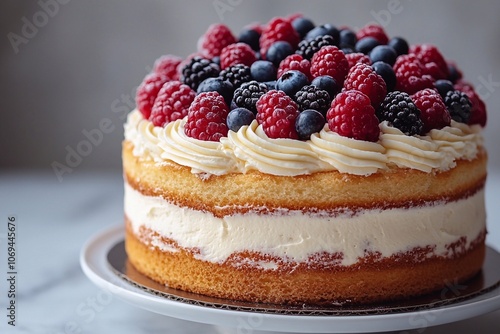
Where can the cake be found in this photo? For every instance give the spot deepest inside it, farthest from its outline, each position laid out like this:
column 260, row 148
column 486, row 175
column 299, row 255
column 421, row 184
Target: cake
column 300, row 164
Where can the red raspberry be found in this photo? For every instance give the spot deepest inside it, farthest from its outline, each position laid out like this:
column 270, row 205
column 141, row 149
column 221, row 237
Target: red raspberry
column 172, row 103
column 216, row 38
column 278, row 29
column 433, row 111
column 375, row 31
column 207, row 117
column 410, row 75
column 167, row 65
column 478, row 110
column 329, row 60
column 238, row 53
column 352, row 115
column 357, row 57
column 295, row 62
column 431, row 58
column 277, row 113
column 363, row 77
column 147, row 92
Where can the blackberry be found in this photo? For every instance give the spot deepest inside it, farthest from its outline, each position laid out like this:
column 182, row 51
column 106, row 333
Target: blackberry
column 236, row 74
column 311, row 97
column 307, row 48
column 400, row 111
column 459, row 105
column 197, row 70
column 248, row 94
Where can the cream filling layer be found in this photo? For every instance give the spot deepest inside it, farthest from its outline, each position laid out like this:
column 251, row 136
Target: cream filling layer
column 294, row 236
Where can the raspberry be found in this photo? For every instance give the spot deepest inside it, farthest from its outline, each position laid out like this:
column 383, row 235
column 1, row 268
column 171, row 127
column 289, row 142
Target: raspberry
column 197, row 70
column 172, row 103
column 311, row 97
column 330, row 61
column 431, row 58
column 400, row 111
column 248, row 94
column 147, row 92
column 295, row 62
column 433, row 112
column 216, row 38
column 357, row 57
column 410, row 75
column 278, row 29
column 478, row 110
column 239, row 53
column 375, row 31
column 277, row 112
column 167, row 65
column 352, row 115
column 207, row 117
column 236, row 75
column 459, row 105
column 307, row 48
column 363, row 77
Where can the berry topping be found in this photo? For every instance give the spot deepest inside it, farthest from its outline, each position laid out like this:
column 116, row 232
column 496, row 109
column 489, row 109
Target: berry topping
column 375, row 31
column 325, row 29
column 383, row 53
column 277, row 112
column 454, row 74
column 366, row 44
column 219, row 85
column 363, row 78
column 459, row 106
column 279, row 51
column 307, row 48
column 248, row 94
column 236, row 74
column 167, row 65
column 172, row 103
column 478, row 110
column 400, row 111
column 348, row 38
column 327, row 83
column 352, row 115
column 357, row 57
column 433, row 112
column 250, row 37
column 387, row 73
column 216, row 38
column 311, row 97
column 263, row 70
column 278, row 29
column 197, row 70
column 291, row 82
column 400, row 45
column 308, row 122
column 443, row 87
column 330, row 61
column 147, row 92
column 207, row 116
column 431, row 58
column 302, row 26
column 410, row 74
column 238, row 53
column 297, row 63
column 239, row 117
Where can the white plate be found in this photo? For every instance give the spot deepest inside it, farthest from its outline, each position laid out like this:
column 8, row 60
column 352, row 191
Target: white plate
column 93, row 259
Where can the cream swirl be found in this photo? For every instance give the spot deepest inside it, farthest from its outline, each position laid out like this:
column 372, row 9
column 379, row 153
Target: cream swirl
column 415, row 152
column 459, row 139
column 144, row 135
column 348, row 155
column 201, row 156
column 254, row 150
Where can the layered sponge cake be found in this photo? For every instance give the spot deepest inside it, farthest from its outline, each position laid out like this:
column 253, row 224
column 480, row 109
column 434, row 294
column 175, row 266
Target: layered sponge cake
column 302, row 164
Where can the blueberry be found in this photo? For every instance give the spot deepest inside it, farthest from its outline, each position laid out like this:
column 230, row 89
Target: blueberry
column 250, row 37
column 400, row 45
column 326, row 29
column 383, row 53
column 291, row 82
column 387, row 73
column 270, row 84
column 346, row 51
column 239, row 117
column 216, row 60
column 279, row 51
column 454, row 73
column 308, row 122
column 365, row 45
column 224, row 88
column 263, row 70
column 302, row 26
column 347, row 38
column 326, row 82
column 443, row 87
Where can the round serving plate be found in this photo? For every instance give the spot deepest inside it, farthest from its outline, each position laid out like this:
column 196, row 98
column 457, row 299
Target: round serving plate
column 104, row 261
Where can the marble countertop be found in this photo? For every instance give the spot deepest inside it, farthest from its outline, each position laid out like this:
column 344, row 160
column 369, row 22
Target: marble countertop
column 54, row 219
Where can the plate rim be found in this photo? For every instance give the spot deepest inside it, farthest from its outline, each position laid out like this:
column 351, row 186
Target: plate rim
column 94, row 265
